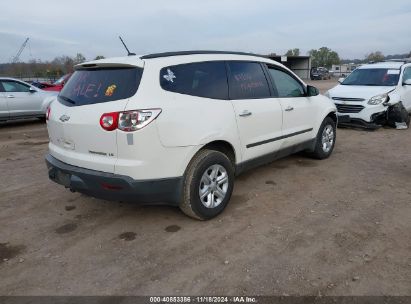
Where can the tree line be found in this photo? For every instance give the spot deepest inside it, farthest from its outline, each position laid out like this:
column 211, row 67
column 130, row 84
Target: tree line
column 326, row 57
column 62, row 65
column 36, row 68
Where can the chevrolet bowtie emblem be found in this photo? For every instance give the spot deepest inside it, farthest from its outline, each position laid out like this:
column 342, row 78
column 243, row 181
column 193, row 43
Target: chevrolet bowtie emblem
column 64, row 118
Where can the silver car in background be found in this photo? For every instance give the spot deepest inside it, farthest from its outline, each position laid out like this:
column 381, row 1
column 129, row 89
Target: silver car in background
column 19, row 99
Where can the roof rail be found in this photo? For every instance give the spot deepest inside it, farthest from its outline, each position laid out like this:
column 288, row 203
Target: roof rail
column 181, row 53
column 404, row 60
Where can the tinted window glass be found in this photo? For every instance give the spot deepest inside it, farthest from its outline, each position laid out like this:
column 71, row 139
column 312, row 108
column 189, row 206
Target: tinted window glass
column 247, row 81
column 407, row 74
column 100, row 85
column 373, row 77
column 203, row 79
column 13, row 86
column 287, row 86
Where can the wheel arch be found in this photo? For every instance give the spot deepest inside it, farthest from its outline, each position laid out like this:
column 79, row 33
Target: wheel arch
column 333, row 116
column 224, row 147
column 330, row 112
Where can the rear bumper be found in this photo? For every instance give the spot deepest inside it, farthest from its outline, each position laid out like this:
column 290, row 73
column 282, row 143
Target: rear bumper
column 114, row 187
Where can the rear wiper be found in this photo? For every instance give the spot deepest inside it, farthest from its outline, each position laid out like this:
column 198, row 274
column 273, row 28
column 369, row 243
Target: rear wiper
column 67, row 99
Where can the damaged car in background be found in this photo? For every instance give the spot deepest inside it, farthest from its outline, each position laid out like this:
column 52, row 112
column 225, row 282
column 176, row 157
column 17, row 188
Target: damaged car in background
column 374, row 95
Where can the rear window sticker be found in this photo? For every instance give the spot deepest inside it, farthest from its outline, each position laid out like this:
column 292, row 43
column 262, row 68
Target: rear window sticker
column 110, row 90
column 170, row 75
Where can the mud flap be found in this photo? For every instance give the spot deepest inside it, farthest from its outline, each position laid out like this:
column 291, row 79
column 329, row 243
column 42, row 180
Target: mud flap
column 397, row 116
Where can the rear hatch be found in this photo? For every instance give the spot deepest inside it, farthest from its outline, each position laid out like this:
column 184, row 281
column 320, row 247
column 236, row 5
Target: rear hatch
column 76, row 136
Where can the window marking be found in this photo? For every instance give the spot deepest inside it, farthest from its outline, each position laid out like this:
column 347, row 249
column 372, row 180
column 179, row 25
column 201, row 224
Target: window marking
column 110, row 90
column 170, row 75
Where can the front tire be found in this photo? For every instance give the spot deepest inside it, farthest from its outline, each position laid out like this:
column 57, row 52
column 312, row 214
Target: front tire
column 325, row 140
column 208, row 185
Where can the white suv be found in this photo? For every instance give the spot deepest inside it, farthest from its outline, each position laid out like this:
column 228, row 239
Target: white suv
column 177, row 127
column 372, row 93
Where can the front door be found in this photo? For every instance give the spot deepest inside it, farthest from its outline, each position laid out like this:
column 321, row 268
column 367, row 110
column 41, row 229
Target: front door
column 299, row 111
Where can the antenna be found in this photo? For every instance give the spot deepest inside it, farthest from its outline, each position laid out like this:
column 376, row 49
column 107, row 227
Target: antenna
column 128, row 51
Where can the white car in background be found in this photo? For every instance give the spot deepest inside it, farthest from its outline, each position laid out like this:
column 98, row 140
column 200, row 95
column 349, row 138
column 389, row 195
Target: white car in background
column 372, row 90
column 19, row 99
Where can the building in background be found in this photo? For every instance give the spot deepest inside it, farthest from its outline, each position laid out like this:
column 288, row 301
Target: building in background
column 343, row 70
column 300, row 65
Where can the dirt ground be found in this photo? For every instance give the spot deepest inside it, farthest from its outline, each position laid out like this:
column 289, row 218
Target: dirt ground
column 323, row 85
column 298, row 226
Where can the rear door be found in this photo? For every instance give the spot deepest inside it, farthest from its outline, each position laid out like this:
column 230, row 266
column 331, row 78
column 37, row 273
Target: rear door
column 258, row 115
column 4, row 111
column 76, row 136
column 299, row 111
column 20, row 101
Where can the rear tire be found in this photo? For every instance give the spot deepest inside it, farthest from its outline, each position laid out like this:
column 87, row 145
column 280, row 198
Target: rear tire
column 208, row 185
column 325, row 141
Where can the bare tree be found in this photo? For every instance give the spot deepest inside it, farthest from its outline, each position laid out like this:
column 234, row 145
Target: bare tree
column 79, row 59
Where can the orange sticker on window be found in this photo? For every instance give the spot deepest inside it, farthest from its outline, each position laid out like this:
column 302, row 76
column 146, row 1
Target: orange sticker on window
column 110, row 90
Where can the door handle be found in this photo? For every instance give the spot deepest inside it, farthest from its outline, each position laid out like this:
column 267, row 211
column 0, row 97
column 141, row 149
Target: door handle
column 289, row 108
column 10, row 96
column 245, row 113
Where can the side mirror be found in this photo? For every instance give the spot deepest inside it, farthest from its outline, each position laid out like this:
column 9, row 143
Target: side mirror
column 32, row 90
column 340, row 80
column 312, row 91
column 407, row 82
column 63, row 83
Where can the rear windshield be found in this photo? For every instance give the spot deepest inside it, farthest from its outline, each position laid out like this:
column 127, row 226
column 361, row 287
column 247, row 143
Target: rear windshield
column 100, row 85
column 373, row 77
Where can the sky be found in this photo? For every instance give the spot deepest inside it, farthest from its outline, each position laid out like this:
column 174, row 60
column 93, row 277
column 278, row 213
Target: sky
column 353, row 28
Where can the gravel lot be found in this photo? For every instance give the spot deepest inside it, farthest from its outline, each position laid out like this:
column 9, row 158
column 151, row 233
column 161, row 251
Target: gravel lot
column 298, row 226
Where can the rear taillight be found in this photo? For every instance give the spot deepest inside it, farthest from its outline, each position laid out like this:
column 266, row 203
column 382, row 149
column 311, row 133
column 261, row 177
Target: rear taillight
column 134, row 120
column 109, row 121
column 48, row 113
column 128, row 121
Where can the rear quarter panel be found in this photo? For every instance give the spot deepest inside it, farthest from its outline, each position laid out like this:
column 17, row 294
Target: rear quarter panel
column 185, row 120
